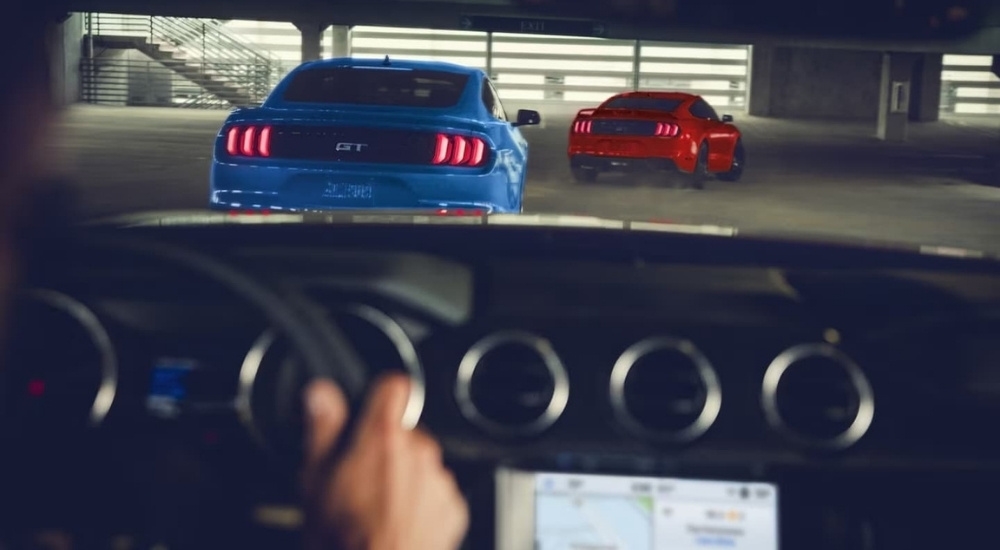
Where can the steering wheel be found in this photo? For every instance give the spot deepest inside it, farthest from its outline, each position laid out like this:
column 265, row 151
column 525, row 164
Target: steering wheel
column 319, row 346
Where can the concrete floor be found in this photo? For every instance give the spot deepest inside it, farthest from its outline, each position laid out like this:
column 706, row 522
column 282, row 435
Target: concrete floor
column 825, row 179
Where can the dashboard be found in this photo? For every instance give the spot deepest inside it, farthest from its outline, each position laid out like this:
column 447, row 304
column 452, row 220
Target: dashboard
column 713, row 391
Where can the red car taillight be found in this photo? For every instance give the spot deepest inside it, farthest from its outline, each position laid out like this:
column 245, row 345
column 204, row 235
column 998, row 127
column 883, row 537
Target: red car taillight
column 453, row 150
column 249, row 141
column 582, row 126
column 667, row 129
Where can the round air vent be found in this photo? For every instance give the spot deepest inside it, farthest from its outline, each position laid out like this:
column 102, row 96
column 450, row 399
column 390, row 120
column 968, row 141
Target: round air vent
column 385, row 347
column 817, row 396
column 271, row 376
column 665, row 389
column 61, row 367
column 512, row 383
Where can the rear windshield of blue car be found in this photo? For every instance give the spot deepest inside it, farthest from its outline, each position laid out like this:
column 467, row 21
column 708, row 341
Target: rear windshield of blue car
column 376, row 86
column 644, row 104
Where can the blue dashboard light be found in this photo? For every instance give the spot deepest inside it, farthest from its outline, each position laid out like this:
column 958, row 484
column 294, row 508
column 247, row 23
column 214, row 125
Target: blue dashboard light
column 168, row 387
column 169, row 383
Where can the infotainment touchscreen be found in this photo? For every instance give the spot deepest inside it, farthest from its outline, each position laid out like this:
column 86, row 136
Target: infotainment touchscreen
column 558, row 511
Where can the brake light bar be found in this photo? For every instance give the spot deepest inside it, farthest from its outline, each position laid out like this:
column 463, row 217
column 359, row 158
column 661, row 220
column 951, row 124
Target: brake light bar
column 264, row 145
column 249, row 141
column 455, row 150
column 664, row 129
column 667, row 129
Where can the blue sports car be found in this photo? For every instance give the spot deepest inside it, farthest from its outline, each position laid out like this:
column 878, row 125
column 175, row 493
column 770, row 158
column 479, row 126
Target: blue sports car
column 360, row 133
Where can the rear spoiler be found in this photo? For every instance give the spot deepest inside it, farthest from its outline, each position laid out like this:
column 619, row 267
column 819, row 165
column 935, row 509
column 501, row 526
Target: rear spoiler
column 588, row 113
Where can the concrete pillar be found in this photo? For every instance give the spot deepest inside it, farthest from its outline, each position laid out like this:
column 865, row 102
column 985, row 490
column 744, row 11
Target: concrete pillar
column 312, row 40
column 340, row 44
column 489, row 55
column 761, row 76
column 926, row 103
column 67, row 47
column 636, row 65
column 895, row 95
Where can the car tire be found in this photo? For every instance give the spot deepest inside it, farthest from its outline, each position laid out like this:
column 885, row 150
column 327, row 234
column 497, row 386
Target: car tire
column 696, row 179
column 584, row 175
column 739, row 161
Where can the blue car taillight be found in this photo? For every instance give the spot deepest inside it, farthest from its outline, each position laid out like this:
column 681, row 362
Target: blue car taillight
column 454, row 150
column 249, row 141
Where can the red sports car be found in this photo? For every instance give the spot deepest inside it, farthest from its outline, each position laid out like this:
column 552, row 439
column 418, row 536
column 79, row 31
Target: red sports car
column 658, row 131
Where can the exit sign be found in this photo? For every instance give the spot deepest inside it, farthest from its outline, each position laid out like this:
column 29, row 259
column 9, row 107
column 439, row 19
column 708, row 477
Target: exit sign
column 564, row 27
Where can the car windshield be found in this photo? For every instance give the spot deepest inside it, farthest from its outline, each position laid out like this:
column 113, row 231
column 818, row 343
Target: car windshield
column 875, row 129
column 376, row 86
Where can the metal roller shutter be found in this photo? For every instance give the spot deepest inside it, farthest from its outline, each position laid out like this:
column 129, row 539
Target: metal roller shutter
column 570, row 69
column 968, row 86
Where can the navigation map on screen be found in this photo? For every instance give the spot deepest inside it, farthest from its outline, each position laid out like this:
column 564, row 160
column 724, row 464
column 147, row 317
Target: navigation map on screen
column 592, row 512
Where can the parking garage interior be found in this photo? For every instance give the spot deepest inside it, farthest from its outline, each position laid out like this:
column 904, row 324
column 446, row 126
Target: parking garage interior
column 846, row 139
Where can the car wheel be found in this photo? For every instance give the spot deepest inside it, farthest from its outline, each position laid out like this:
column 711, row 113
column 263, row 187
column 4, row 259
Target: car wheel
column 696, row 179
column 739, row 161
column 584, row 175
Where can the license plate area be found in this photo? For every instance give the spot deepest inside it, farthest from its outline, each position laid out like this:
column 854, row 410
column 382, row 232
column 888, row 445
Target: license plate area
column 618, row 148
column 348, row 191
column 332, row 192
column 624, row 147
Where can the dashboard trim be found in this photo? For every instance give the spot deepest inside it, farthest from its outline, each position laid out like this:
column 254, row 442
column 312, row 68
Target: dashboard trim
column 780, row 365
column 474, row 356
column 248, row 376
column 91, row 323
column 706, row 372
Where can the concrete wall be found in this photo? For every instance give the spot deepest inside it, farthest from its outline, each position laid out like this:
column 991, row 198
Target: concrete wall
column 128, row 77
column 110, row 85
column 814, row 83
column 149, row 82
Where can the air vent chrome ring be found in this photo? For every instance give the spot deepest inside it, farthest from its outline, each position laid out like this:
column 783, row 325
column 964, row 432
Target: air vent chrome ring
column 254, row 359
column 705, row 373
column 859, row 384
column 473, row 359
column 99, row 336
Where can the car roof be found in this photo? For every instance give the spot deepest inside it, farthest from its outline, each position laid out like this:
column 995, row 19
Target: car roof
column 393, row 63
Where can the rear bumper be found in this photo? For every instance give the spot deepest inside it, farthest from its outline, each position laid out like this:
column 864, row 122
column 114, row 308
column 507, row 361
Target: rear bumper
column 296, row 188
column 622, row 164
column 632, row 154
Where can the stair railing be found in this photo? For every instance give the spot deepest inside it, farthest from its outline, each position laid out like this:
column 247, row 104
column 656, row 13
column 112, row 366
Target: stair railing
column 200, row 43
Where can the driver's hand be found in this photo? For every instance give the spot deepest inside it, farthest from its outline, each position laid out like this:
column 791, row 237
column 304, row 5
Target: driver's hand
column 390, row 490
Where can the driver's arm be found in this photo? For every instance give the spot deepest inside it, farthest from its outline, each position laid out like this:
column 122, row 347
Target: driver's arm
column 391, row 490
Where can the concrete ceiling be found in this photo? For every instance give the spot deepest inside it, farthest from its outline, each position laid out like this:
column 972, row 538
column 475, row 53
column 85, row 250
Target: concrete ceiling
column 447, row 15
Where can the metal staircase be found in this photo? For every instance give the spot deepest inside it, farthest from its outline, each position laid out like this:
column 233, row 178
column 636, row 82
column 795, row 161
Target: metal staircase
column 184, row 63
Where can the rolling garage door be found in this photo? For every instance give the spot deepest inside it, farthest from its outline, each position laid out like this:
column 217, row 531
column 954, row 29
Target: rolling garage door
column 461, row 47
column 968, row 86
column 716, row 72
column 570, row 69
column 556, row 68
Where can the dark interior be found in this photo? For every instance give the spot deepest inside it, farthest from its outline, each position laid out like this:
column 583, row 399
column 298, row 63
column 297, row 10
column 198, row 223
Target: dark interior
column 177, row 459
